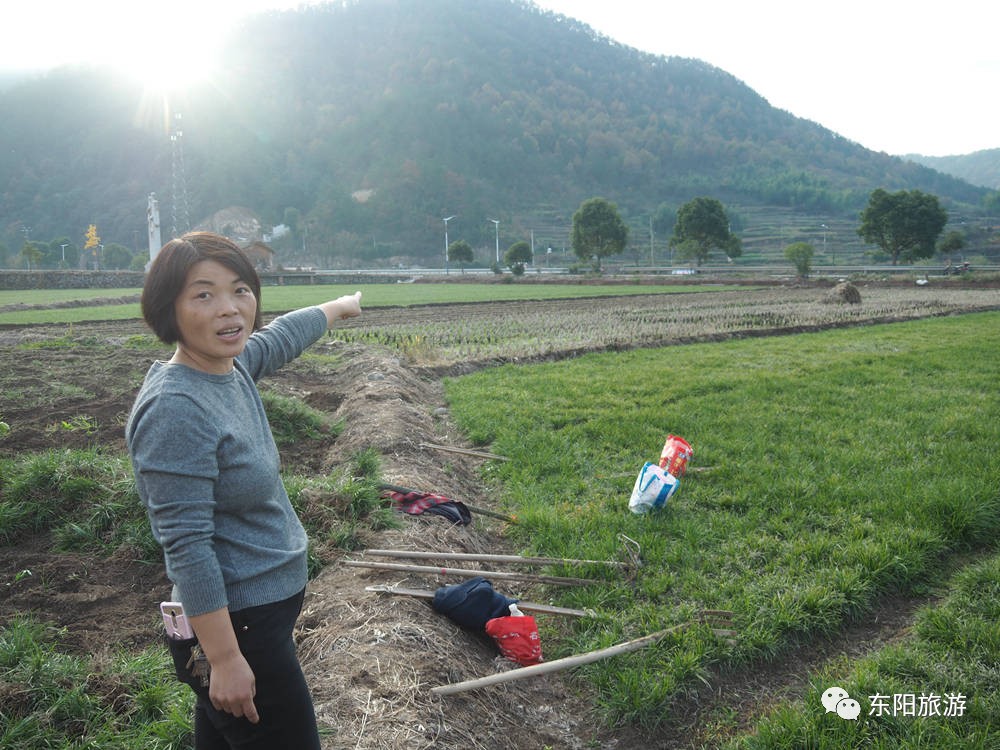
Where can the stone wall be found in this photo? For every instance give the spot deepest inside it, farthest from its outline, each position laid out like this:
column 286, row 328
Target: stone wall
column 70, row 279
column 133, row 279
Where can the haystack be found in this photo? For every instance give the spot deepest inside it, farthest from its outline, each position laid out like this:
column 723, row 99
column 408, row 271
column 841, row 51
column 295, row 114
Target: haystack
column 845, row 291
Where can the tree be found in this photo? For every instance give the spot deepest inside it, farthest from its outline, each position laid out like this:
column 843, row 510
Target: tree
column 93, row 241
column 598, row 230
column 117, row 256
column 63, row 252
column 801, row 255
column 516, row 256
column 663, row 219
column 292, row 218
column 701, row 226
column 953, row 242
column 31, row 254
column 460, row 252
column 905, row 224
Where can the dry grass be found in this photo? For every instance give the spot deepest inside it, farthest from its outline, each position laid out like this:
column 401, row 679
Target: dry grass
column 459, row 336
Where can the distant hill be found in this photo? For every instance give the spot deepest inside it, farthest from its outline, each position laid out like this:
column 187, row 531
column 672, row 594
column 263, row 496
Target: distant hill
column 977, row 168
column 359, row 126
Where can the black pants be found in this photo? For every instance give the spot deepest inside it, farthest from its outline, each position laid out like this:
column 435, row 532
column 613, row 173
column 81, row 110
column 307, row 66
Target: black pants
column 287, row 718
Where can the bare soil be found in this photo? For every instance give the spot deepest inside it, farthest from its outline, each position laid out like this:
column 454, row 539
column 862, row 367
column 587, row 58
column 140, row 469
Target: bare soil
column 370, row 658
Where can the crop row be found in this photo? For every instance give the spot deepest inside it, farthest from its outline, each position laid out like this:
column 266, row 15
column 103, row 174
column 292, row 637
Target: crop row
column 534, row 329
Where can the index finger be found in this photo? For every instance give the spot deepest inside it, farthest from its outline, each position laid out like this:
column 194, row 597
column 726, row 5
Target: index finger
column 250, row 711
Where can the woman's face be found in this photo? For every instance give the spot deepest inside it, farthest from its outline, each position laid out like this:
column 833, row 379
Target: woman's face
column 215, row 312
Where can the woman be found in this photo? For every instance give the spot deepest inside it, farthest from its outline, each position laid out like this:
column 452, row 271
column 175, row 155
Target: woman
column 207, row 471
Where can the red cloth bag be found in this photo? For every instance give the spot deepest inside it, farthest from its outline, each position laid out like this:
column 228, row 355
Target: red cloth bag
column 517, row 638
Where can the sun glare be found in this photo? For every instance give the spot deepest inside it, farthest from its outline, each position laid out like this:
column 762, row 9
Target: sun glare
column 171, row 74
column 165, row 48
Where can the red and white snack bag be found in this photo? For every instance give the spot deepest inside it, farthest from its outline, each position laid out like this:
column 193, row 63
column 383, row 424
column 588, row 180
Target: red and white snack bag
column 517, row 637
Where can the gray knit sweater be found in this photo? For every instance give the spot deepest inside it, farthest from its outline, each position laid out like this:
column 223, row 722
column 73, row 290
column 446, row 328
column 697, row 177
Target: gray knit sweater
column 207, row 471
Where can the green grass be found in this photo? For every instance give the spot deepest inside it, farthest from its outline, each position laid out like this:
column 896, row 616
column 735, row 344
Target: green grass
column 277, row 299
column 71, row 315
column 947, row 667
column 67, row 701
column 39, row 296
column 842, row 466
column 292, row 420
column 342, row 509
column 86, row 498
column 87, row 501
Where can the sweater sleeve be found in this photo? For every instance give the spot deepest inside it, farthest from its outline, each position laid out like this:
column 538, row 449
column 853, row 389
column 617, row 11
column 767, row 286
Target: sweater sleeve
column 282, row 340
column 176, row 468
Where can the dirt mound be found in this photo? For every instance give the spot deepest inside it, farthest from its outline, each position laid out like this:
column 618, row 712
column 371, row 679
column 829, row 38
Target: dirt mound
column 388, row 407
column 371, row 658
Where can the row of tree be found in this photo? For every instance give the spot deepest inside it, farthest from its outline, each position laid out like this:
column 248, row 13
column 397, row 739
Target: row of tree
column 905, row 225
column 63, row 253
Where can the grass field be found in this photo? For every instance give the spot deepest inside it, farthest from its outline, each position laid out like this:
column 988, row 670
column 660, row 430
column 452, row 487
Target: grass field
column 839, row 468
column 58, row 703
column 935, row 689
column 833, row 471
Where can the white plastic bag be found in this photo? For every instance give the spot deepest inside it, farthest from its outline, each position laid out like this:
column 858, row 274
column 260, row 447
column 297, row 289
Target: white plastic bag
column 653, row 487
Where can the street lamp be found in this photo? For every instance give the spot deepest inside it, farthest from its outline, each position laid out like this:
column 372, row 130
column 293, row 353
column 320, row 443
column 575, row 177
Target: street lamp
column 446, row 220
column 64, row 245
column 496, row 224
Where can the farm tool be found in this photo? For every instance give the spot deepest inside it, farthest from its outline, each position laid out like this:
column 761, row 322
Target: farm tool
column 483, row 557
column 627, row 568
column 464, row 572
column 720, row 622
column 465, row 451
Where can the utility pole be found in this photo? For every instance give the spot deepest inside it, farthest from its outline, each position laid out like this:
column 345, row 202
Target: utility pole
column 180, row 220
column 650, row 240
column 446, row 220
column 153, row 224
column 496, row 223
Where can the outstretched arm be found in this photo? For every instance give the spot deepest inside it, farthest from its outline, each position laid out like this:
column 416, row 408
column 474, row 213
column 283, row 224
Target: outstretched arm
column 348, row 306
column 287, row 336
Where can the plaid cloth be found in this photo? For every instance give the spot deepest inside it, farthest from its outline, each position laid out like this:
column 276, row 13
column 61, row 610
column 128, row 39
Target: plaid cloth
column 416, row 503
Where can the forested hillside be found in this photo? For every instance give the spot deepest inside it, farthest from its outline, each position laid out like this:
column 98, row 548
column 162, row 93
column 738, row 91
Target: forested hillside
column 977, row 168
column 362, row 125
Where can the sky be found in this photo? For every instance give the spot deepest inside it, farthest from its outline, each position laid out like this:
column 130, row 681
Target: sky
column 900, row 76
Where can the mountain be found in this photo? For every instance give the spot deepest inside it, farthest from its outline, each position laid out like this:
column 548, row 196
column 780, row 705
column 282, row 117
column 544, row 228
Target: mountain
column 360, row 125
column 977, row 168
